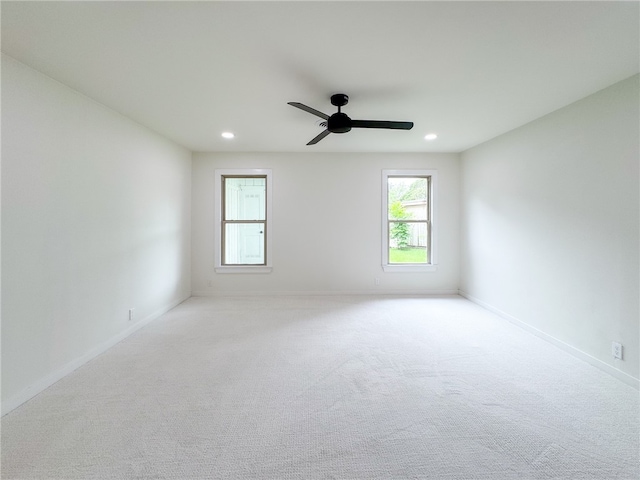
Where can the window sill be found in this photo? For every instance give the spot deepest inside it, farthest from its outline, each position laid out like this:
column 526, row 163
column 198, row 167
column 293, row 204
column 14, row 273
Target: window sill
column 243, row 269
column 413, row 268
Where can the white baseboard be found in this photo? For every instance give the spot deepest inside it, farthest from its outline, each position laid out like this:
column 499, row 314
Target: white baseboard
column 297, row 293
column 44, row 383
column 624, row 377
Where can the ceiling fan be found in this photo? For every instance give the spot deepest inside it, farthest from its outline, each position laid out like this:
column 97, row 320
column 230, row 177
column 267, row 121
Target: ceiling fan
column 340, row 123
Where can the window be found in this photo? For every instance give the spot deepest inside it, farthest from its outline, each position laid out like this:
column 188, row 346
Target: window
column 243, row 210
column 408, row 226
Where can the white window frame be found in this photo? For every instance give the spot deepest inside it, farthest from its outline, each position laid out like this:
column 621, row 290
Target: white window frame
column 433, row 198
column 217, row 237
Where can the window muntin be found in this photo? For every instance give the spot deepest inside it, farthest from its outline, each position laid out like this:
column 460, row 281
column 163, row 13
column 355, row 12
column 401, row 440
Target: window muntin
column 408, row 223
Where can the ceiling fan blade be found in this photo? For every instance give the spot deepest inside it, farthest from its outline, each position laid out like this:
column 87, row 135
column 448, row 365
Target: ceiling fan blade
column 381, row 124
column 310, row 110
column 319, row 137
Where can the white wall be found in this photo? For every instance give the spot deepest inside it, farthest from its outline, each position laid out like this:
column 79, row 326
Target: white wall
column 95, row 220
column 326, row 224
column 550, row 221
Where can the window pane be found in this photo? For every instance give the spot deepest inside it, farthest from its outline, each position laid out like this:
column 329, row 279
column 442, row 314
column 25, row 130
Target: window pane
column 408, row 242
column 245, row 198
column 244, row 244
column 407, row 198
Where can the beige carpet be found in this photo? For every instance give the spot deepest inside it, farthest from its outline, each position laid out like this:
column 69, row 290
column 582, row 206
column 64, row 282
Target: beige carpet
column 328, row 388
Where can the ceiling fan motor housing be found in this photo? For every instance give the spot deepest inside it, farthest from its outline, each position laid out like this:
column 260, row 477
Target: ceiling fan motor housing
column 339, row 123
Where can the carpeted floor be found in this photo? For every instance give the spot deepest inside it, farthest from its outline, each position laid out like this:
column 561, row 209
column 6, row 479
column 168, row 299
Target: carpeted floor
column 328, row 388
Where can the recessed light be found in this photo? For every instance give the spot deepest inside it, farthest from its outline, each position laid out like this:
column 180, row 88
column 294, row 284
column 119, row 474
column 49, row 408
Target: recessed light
column 430, row 136
column 227, row 135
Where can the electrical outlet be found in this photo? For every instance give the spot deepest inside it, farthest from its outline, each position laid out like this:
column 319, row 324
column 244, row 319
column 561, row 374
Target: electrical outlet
column 616, row 350
column 131, row 310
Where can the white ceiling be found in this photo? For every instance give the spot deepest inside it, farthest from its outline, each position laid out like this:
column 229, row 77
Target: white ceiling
column 468, row 71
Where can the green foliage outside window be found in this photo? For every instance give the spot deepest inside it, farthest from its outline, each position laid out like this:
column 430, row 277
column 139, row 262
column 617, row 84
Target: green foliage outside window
column 400, row 231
